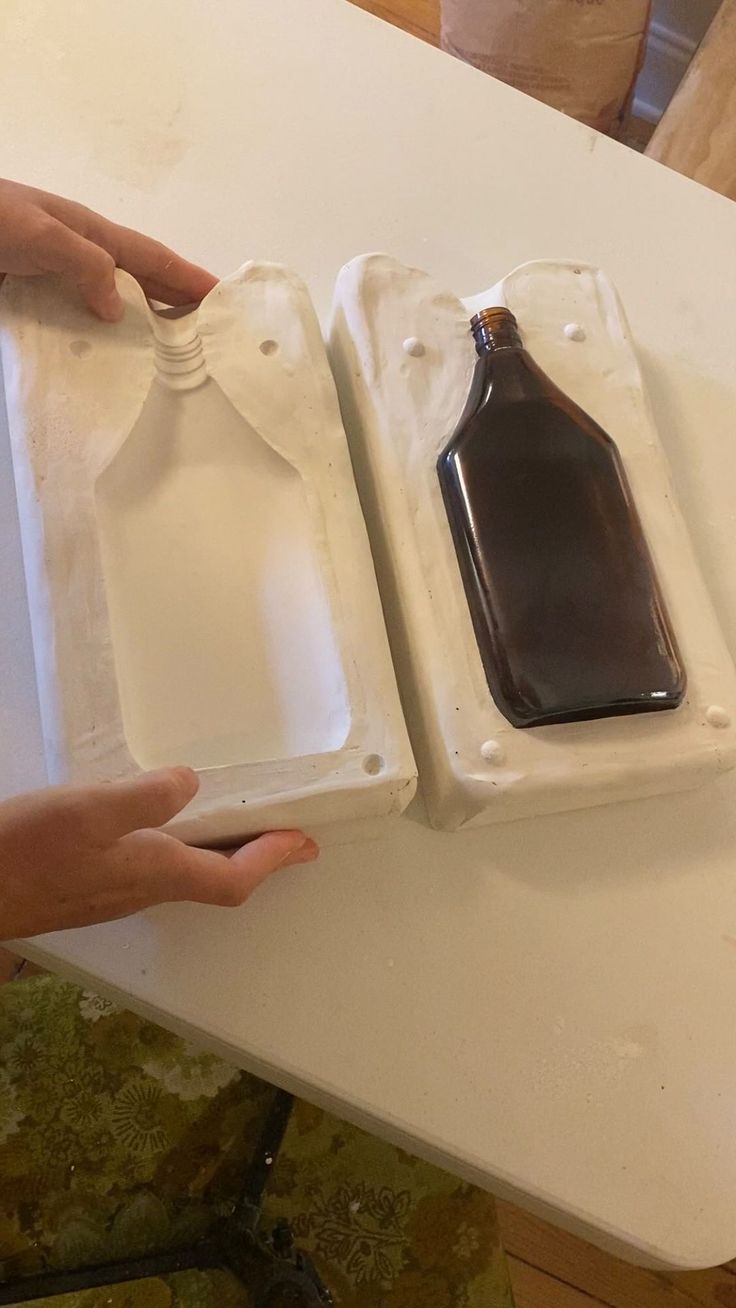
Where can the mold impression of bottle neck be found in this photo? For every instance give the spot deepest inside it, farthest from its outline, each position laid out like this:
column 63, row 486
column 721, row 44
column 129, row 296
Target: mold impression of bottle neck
column 178, row 348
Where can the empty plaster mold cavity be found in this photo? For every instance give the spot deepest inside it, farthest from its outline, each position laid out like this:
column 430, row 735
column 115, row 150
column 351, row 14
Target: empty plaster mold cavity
column 199, row 575
column 401, row 404
column 208, row 542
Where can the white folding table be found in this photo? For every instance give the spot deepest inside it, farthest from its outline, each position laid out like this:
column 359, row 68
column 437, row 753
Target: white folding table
column 547, row 1008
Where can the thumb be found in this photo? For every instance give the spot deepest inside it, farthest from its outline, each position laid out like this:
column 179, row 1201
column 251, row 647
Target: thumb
column 82, row 261
column 256, row 861
column 148, row 800
column 175, row 871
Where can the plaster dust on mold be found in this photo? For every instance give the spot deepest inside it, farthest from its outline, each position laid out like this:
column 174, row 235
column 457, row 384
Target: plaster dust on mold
column 199, row 575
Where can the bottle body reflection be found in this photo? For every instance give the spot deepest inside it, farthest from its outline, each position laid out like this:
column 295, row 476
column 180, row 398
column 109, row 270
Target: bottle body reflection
column 566, row 607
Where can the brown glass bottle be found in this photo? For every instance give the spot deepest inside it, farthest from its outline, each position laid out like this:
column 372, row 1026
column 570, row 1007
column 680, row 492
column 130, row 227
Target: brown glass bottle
column 567, row 611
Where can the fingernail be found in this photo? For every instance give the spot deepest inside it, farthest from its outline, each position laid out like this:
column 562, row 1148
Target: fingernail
column 186, row 775
column 112, row 307
column 304, row 852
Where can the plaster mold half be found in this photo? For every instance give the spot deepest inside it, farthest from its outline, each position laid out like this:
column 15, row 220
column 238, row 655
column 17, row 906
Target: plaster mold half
column 199, row 577
column 403, row 359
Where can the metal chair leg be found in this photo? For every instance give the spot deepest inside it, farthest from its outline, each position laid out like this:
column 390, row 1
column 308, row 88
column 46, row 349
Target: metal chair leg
column 277, row 1273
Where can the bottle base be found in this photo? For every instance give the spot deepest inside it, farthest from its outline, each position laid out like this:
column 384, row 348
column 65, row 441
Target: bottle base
column 590, row 713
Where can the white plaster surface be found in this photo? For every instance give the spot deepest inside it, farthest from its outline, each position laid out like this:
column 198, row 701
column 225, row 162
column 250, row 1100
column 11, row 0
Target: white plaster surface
column 400, row 415
column 470, row 994
column 200, row 584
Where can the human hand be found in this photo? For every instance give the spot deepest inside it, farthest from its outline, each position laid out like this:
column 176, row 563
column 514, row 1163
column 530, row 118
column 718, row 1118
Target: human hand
column 42, row 233
column 74, row 855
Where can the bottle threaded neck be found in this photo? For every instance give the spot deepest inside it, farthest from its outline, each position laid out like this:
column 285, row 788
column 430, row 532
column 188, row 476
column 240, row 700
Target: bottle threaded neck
column 495, row 329
column 178, row 348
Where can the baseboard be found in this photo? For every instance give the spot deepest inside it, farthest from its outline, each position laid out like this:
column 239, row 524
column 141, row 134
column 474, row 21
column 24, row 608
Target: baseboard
column 673, row 46
column 668, row 55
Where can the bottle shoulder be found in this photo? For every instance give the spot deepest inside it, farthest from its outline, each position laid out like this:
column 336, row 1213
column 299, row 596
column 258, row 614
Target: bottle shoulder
column 517, row 400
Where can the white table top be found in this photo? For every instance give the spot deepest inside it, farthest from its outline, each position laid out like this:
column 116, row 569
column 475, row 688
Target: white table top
column 547, row 1008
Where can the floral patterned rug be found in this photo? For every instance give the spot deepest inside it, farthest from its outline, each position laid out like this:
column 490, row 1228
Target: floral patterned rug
column 117, row 1139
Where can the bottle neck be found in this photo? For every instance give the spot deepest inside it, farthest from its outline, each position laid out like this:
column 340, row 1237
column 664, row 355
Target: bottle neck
column 505, row 373
column 178, row 349
column 495, row 329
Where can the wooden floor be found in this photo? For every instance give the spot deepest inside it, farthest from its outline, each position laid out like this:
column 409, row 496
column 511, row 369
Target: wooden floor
column 420, row 17
column 550, row 1269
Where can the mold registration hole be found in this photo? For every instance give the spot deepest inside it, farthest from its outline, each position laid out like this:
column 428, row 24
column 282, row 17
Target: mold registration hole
column 221, row 622
column 268, row 347
column 373, row 764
